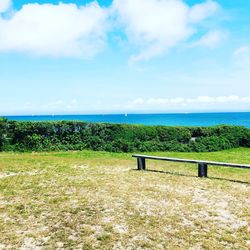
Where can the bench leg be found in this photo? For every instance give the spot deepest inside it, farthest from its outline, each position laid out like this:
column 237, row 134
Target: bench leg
column 202, row 170
column 141, row 163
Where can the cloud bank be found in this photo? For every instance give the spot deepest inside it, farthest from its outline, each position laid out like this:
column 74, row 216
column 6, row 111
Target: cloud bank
column 155, row 26
column 66, row 30
column 62, row 30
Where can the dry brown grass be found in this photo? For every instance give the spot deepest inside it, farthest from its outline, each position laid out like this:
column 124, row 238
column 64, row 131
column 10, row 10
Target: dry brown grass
column 91, row 200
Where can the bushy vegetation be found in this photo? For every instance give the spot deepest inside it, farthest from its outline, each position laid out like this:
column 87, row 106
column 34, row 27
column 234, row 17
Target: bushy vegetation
column 53, row 136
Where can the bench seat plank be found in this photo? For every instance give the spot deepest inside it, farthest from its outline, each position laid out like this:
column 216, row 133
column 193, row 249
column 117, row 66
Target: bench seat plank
column 224, row 164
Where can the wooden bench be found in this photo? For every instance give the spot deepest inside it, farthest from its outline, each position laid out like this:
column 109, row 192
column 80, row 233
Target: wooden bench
column 202, row 165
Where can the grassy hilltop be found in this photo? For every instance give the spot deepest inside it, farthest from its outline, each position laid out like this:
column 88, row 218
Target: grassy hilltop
column 96, row 200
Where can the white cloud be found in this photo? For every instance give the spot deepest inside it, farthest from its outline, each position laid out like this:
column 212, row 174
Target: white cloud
column 55, row 30
column 179, row 102
column 4, row 5
column 242, row 51
column 65, row 30
column 242, row 56
column 158, row 25
column 203, row 10
column 211, row 39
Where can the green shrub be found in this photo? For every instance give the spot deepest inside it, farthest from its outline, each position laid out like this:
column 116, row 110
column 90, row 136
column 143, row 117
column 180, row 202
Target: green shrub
column 211, row 143
column 66, row 135
column 3, row 132
column 33, row 142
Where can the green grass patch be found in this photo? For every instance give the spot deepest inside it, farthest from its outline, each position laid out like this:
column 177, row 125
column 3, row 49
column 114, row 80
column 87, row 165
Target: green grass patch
column 97, row 200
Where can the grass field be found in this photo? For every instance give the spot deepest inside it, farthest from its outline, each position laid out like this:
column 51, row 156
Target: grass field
column 97, row 200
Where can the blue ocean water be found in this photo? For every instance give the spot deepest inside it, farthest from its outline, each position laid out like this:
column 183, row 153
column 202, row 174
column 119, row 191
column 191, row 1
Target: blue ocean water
column 187, row 119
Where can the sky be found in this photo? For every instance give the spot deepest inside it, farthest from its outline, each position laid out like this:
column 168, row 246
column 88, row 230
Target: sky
column 124, row 56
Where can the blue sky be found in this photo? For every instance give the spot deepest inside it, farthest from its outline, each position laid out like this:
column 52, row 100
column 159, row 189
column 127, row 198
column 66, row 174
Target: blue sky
column 124, row 56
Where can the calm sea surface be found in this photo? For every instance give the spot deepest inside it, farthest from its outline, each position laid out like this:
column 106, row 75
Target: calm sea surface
column 190, row 119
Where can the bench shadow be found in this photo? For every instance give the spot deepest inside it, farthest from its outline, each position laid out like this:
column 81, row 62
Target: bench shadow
column 193, row 176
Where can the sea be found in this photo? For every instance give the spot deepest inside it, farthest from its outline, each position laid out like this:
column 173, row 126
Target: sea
column 180, row 119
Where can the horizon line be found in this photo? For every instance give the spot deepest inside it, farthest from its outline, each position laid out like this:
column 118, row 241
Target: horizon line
column 126, row 113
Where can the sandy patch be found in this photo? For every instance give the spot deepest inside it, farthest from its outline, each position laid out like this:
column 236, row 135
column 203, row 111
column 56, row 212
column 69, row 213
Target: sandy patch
column 5, row 175
column 80, row 166
column 30, row 173
column 121, row 229
column 30, row 243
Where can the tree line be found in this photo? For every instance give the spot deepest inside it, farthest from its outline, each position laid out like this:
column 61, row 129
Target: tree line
column 73, row 135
